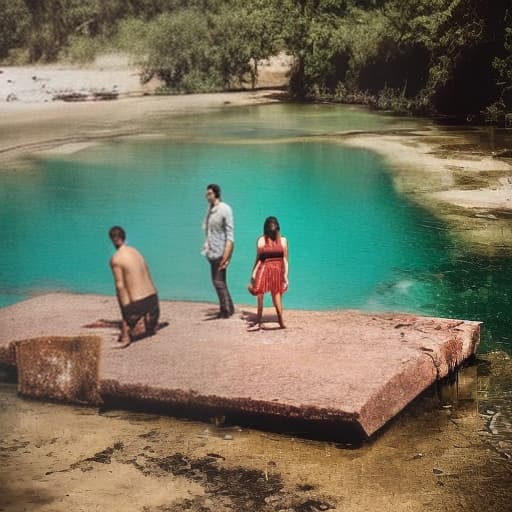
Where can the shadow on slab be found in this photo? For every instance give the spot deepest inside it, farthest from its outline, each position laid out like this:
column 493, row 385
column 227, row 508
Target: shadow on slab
column 347, row 433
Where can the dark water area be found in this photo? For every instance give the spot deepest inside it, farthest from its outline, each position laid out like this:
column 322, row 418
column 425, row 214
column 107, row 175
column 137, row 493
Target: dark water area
column 355, row 242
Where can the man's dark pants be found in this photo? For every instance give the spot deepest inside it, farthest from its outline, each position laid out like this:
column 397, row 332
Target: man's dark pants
column 221, row 287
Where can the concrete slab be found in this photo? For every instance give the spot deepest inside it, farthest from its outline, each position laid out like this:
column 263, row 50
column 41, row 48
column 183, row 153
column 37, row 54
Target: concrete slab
column 344, row 367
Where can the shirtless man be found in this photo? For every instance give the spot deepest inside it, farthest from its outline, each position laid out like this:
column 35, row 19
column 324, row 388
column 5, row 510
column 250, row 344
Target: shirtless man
column 135, row 290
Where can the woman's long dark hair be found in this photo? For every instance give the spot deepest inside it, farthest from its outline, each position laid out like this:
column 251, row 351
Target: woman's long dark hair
column 269, row 233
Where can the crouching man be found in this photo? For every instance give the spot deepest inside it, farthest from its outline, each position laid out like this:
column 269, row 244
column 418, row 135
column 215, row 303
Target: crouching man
column 136, row 293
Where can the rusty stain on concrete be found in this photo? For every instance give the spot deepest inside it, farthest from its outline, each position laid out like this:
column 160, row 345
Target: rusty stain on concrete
column 59, row 368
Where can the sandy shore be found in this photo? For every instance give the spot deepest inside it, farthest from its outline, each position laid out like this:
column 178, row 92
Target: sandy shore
column 27, row 128
column 108, row 73
column 31, row 121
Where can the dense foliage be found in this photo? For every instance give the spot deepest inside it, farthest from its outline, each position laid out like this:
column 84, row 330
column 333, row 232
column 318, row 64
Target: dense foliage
column 451, row 57
column 447, row 56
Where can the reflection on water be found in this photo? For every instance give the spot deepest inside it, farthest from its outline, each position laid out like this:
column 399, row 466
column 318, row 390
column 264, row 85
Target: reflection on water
column 354, row 242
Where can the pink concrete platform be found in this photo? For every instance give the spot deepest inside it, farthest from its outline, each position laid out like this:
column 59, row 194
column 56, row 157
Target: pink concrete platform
column 343, row 367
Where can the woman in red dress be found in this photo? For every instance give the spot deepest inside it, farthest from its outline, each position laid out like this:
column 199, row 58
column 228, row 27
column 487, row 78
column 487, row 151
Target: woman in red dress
column 270, row 271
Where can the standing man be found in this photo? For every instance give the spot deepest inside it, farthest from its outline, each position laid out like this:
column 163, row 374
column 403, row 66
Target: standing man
column 218, row 246
column 135, row 290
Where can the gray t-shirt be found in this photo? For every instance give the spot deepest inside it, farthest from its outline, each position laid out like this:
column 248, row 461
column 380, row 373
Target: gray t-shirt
column 219, row 227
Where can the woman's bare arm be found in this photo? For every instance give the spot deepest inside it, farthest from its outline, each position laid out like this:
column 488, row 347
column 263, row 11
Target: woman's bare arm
column 285, row 258
column 257, row 260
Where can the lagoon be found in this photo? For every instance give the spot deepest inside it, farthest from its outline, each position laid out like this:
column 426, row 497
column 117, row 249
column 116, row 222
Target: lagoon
column 355, row 242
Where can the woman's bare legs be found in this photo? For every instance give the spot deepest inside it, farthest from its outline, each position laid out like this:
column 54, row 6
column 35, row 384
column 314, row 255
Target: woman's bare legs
column 259, row 316
column 276, row 299
column 256, row 325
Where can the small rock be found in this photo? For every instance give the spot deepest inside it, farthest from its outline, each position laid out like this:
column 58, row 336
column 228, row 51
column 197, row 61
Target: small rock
column 503, row 153
column 418, row 456
column 437, row 471
column 489, row 412
column 228, row 437
column 489, row 216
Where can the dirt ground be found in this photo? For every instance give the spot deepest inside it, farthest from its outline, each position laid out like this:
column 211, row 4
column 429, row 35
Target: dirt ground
column 449, row 450
column 110, row 72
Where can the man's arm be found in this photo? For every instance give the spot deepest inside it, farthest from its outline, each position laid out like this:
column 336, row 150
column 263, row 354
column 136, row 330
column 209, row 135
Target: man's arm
column 226, row 257
column 229, row 227
column 121, row 291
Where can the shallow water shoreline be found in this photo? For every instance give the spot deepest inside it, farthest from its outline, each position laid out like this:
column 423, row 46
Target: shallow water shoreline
column 456, row 179
column 29, row 128
column 448, row 451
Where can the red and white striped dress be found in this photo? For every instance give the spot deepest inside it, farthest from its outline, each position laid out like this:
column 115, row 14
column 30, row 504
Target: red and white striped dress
column 270, row 273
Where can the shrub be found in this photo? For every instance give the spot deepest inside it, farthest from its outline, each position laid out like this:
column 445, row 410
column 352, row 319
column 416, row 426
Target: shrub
column 81, row 49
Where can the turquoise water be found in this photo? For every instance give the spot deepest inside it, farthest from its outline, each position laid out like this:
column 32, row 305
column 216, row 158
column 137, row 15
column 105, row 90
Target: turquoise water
column 354, row 242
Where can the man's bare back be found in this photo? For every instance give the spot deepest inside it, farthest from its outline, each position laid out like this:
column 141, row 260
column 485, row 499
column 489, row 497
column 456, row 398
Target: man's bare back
column 136, row 279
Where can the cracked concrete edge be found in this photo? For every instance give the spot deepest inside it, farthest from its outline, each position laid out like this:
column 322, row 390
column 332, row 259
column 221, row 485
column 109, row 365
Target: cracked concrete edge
column 434, row 366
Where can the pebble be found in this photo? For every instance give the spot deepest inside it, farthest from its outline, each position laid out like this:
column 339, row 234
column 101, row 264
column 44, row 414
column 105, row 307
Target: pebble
column 228, row 437
column 437, row 471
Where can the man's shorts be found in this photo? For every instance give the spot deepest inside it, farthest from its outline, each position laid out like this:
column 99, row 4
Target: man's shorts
column 147, row 308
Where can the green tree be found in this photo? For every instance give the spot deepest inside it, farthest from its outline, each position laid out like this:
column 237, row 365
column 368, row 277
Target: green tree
column 243, row 36
column 180, row 52
column 196, row 50
column 14, row 25
column 500, row 112
column 307, row 25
